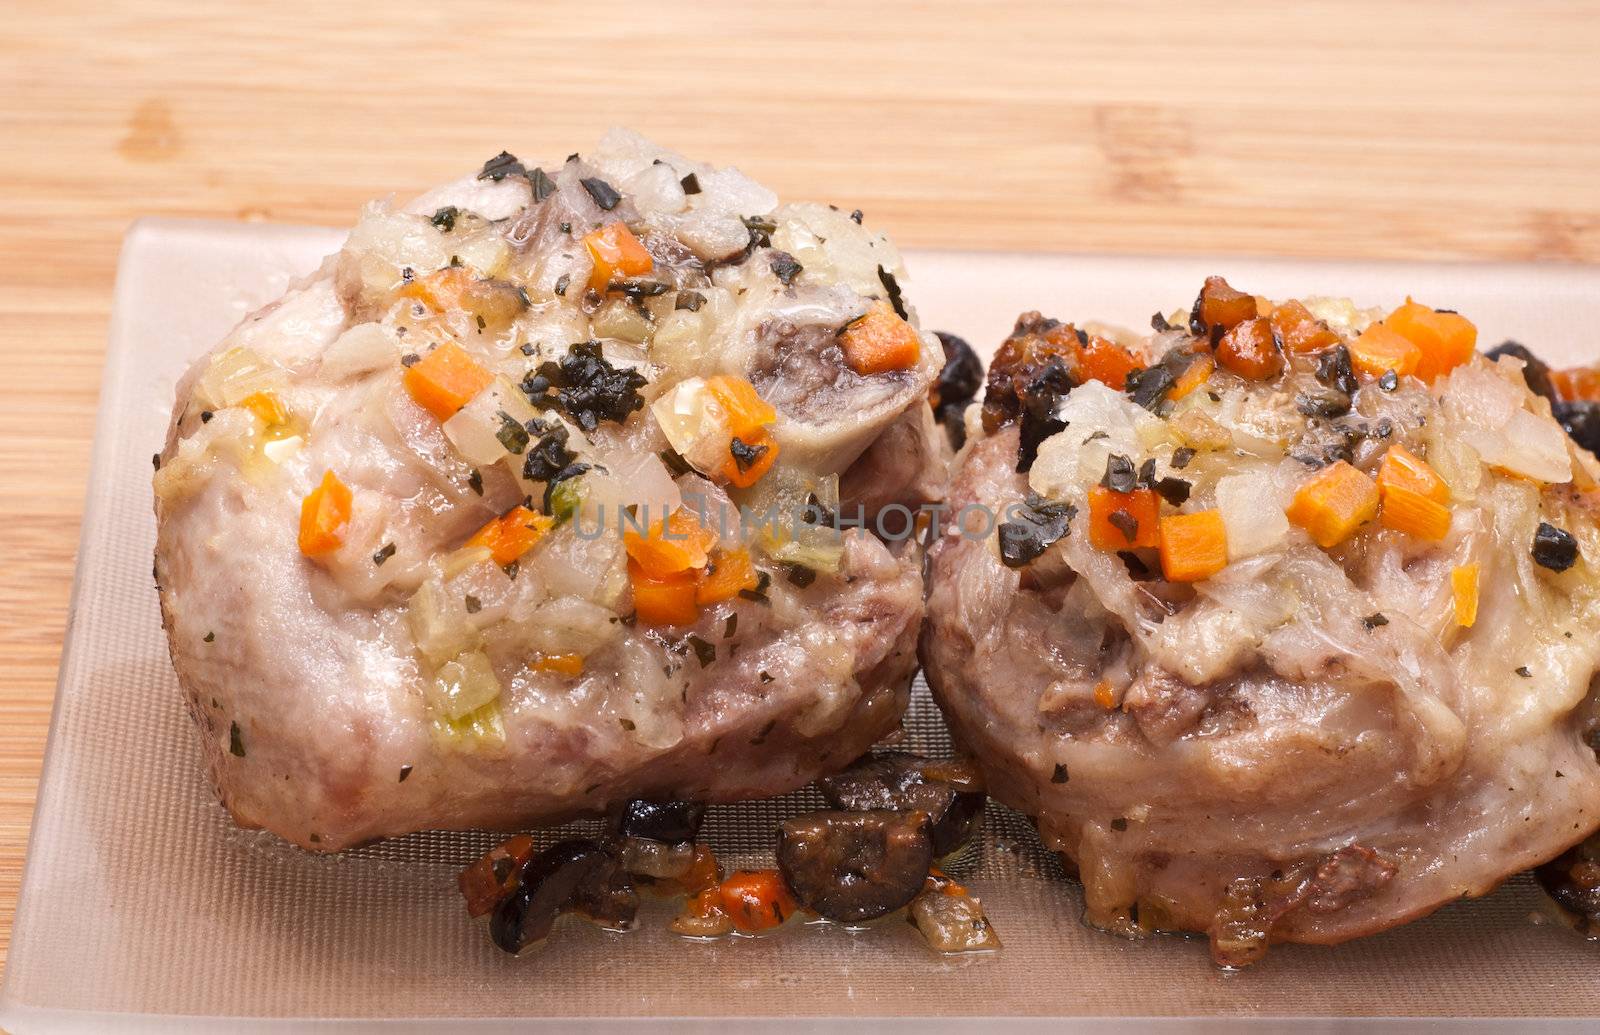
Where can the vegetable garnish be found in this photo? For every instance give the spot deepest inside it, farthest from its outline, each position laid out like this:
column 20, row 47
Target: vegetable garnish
column 1554, row 548
column 1036, row 526
column 1300, row 332
column 1249, row 350
column 445, row 380
column 1464, row 590
column 1105, row 361
column 756, row 900
column 1333, row 503
column 1218, row 308
column 1193, row 546
column 602, row 192
column 727, row 573
column 664, row 599
column 1444, row 340
column 668, row 547
column 512, row 534
column 268, row 407
column 1380, row 349
column 562, row 664
column 615, row 251
column 1414, row 496
column 1123, row 520
column 879, row 342
column 587, row 386
column 324, row 513
column 500, row 166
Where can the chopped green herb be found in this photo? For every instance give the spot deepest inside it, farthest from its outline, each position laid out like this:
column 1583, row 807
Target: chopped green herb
column 211, row 637
column 1554, row 548
column 1181, row 457
column 235, row 740
column 155, row 458
column 705, row 652
column 383, row 554
column 893, row 287
column 472, row 604
column 410, row 359
column 800, row 575
column 744, row 454
column 405, row 771
column 445, row 218
column 512, row 434
column 690, row 184
column 731, row 626
column 857, row 216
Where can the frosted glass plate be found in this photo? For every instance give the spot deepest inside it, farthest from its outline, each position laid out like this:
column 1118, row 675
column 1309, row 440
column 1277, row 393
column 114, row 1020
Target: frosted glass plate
column 144, row 907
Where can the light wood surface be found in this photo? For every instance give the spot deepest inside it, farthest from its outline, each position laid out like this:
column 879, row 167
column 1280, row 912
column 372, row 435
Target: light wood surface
column 1395, row 130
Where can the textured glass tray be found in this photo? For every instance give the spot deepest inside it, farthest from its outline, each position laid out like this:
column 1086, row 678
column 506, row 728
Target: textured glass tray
column 143, row 906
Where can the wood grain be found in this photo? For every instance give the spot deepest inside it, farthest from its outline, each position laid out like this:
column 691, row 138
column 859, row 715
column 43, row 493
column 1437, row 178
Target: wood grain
column 1418, row 130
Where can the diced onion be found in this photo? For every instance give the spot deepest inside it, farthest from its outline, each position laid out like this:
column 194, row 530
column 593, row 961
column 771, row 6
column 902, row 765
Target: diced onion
column 486, row 251
column 362, row 348
column 439, row 623
column 694, row 424
column 1252, row 513
column 463, row 685
column 234, row 376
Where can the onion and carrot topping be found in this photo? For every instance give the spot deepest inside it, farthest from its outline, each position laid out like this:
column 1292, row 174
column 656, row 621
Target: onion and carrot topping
column 1380, row 349
column 756, row 900
column 445, row 380
column 324, row 513
column 268, row 407
column 1220, row 308
column 512, row 534
column 614, row 250
column 1464, row 589
column 1414, row 496
column 1195, row 375
column 677, row 544
column 880, row 342
column 495, row 874
column 667, row 567
column 561, row 664
column 1444, row 340
column 664, row 599
column 1105, row 361
column 1298, row 331
column 1333, row 503
column 1249, row 350
column 1123, row 520
column 1193, row 546
column 728, row 573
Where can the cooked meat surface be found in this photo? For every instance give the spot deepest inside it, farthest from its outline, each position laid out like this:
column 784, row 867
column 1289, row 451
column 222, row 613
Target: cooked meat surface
column 450, row 535
column 1277, row 643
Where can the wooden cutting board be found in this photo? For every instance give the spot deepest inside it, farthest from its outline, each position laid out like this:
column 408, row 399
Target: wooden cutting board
column 1382, row 130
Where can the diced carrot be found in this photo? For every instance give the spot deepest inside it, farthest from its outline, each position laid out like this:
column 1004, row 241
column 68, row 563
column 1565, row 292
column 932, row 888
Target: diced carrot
column 1381, row 349
column 677, row 544
column 1404, row 468
column 494, row 875
column 728, row 572
column 512, row 534
column 880, row 342
column 1104, row 696
column 1333, row 503
column 759, row 452
column 1123, row 520
column 1264, row 305
column 441, row 290
column 266, row 406
column 1105, row 361
column 1249, row 350
column 1446, row 340
column 747, row 412
column 664, row 599
column 1193, row 546
column 1576, row 384
column 1406, row 510
column 757, row 900
column 561, row 664
column 445, row 380
column 1300, row 332
column 323, row 515
column 704, row 872
column 1197, row 373
column 1464, row 587
column 615, row 250
column 1219, row 305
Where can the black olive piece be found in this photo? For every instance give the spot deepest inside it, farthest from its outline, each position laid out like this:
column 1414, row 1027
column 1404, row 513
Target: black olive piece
column 1120, row 475
column 1039, row 398
column 854, row 866
column 1581, row 419
column 1572, row 879
column 1335, row 371
column 1554, row 548
column 602, row 192
column 1536, row 372
column 1322, row 401
column 550, row 882
column 962, row 374
column 907, row 783
column 670, row 822
column 1034, row 527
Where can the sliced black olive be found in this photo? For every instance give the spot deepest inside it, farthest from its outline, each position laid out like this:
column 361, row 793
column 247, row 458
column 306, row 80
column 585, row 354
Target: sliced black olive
column 1554, row 548
column 950, row 793
column 670, row 822
column 1572, row 879
column 1581, row 419
column 958, row 384
column 551, row 882
column 1536, row 373
column 656, row 839
column 1034, row 527
column 853, row 866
